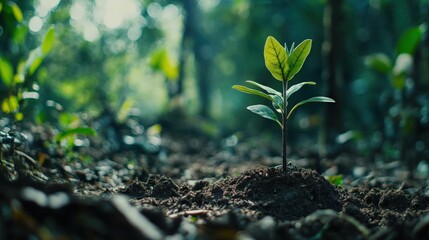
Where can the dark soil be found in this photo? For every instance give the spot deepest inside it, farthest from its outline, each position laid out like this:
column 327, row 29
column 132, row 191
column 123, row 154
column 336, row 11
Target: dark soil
column 256, row 193
column 211, row 193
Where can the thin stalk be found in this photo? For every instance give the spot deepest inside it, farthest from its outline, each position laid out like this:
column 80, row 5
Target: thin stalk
column 284, row 122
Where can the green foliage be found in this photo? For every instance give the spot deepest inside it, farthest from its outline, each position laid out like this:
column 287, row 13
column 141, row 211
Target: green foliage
column 86, row 131
column 283, row 67
column 71, row 131
column 401, row 99
column 124, row 110
column 6, row 71
column 409, row 40
column 192, row 219
column 253, row 91
column 276, row 59
column 9, row 104
column 160, row 61
column 379, row 62
column 310, row 100
column 284, row 64
column 297, row 57
column 15, row 80
column 403, row 61
column 48, row 41
column 16, row 11
column 37, row 55
column 264, row 112
column 336, row 180
column 296, row 87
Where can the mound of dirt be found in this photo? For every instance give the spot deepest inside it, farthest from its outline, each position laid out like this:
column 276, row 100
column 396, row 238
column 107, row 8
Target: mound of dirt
column 257, row 193
column 270, row 191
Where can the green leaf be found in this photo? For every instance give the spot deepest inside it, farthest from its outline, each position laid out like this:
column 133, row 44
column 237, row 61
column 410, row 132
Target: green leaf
column 251, row 91
column 336, row 180
column 20, row 72
column 35, row 65
column 379, row 62
column 296, row 87
column 278, row 103
column 403, row 64
column 276, row 59
column 65, row 119
column 267, row 89
column 33, row 61
column 80, row 130
column 19, row 116
column 48, row 41
column 154, row 130
column 297, row 57
column 10, row 104
column 290, row 50
column 16, row 11
column 6, row 71
column 313, row 99
column 402, row 68
column 19, row 33
column 264, row 112
column 37, row 55
column 124, row 110
column 18, row 78
column 160, row 61
column 409, row 40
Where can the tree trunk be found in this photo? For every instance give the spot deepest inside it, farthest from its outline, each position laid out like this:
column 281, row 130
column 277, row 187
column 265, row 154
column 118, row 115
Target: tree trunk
column 332, row 74
column 194, row 38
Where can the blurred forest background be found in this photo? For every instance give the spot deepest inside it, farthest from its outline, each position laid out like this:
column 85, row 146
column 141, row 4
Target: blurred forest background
column 174, row 62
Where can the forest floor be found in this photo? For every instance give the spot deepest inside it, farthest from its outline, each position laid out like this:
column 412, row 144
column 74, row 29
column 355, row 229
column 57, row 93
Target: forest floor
column 192, row 188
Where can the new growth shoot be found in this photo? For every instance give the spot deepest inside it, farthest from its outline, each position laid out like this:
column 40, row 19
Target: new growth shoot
column 283, row 63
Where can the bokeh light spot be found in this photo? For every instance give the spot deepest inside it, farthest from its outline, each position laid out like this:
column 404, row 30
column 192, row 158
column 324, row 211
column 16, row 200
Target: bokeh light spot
column 35, row 24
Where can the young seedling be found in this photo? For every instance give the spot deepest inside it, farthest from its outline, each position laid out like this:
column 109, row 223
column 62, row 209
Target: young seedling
column 283, row 63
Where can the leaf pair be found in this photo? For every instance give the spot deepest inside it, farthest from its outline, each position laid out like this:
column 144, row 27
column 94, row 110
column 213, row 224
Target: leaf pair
column 276, row 98
column 282, row 63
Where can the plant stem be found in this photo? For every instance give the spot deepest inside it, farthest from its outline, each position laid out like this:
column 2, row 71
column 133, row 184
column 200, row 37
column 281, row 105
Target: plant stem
column 284, row 122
